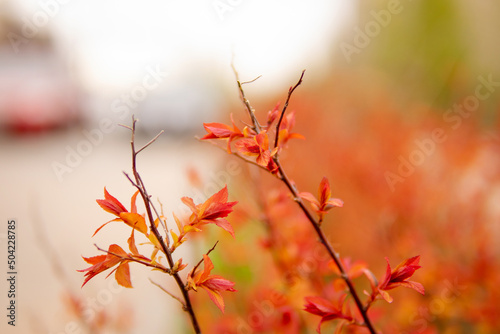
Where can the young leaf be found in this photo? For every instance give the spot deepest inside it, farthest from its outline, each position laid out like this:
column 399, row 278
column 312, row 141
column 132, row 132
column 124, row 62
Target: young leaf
column 212, row 211
column 399, row 277
column 213, row 284
column 131, row 244
column 111, row 204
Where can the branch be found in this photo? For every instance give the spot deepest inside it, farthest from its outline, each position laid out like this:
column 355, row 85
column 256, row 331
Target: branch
column 256, row 126
column 290, row 92
column 198, row 264
column 169, row 293
column 315, row 224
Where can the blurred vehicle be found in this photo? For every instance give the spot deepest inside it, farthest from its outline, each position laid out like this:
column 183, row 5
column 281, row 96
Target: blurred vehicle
column 37, row 92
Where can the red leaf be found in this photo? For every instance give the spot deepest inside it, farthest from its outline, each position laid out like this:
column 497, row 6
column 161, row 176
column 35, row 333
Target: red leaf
column 399, row 277
column 222, row 131
column 273, row 115
column 212, row 211
column 111, row 204
column 326, row 309
column 213, row 284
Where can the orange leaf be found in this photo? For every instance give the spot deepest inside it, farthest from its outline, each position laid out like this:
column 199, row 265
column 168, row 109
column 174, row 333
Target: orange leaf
column 103, row 262
column 122, row 275
column 133, row 207
column 115, row 249
column 135, row 220
column 131, row 244
column 216, row 297
column 154, row 240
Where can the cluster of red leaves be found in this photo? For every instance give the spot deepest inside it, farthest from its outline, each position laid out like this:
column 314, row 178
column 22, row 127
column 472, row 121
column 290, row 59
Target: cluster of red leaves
column 256, row 145
column 213, row 211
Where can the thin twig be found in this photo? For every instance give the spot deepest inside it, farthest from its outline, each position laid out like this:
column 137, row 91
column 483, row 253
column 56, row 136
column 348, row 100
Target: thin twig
column 168, row 293
column 198, row 264
column 125, row 126
column 290, row 92
column 247, row 82
column 150, row 142
column 251, row 112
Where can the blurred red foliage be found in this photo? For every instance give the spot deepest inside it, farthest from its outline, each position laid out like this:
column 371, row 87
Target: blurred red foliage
column 439, row 201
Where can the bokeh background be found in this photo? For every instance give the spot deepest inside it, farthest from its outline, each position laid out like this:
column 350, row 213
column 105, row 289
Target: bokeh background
column 381, row 78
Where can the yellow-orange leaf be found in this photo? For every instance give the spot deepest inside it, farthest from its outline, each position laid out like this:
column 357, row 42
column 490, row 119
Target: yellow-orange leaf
column 131, row 244
column 122, row 275
column 191, row 228
column 154, row 241
column 153, row 255
column 178, row 222
column 174, row 237
column 135, row 220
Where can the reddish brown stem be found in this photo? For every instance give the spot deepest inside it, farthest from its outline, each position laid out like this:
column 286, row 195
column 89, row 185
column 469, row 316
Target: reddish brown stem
column 290, row 92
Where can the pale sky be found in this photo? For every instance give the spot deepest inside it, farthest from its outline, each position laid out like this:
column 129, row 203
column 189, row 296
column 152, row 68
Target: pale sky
column 112, row 41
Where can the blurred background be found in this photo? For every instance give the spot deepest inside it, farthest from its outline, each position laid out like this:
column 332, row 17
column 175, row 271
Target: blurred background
column 381, row 77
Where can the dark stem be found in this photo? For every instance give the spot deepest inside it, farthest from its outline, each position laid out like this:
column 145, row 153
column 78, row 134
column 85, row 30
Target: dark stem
column 198, row 264
column 251, row 112
column 290, row 92
column 148, row 204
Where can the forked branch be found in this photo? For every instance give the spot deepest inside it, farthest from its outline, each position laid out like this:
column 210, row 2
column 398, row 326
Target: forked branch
column 139, row 184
